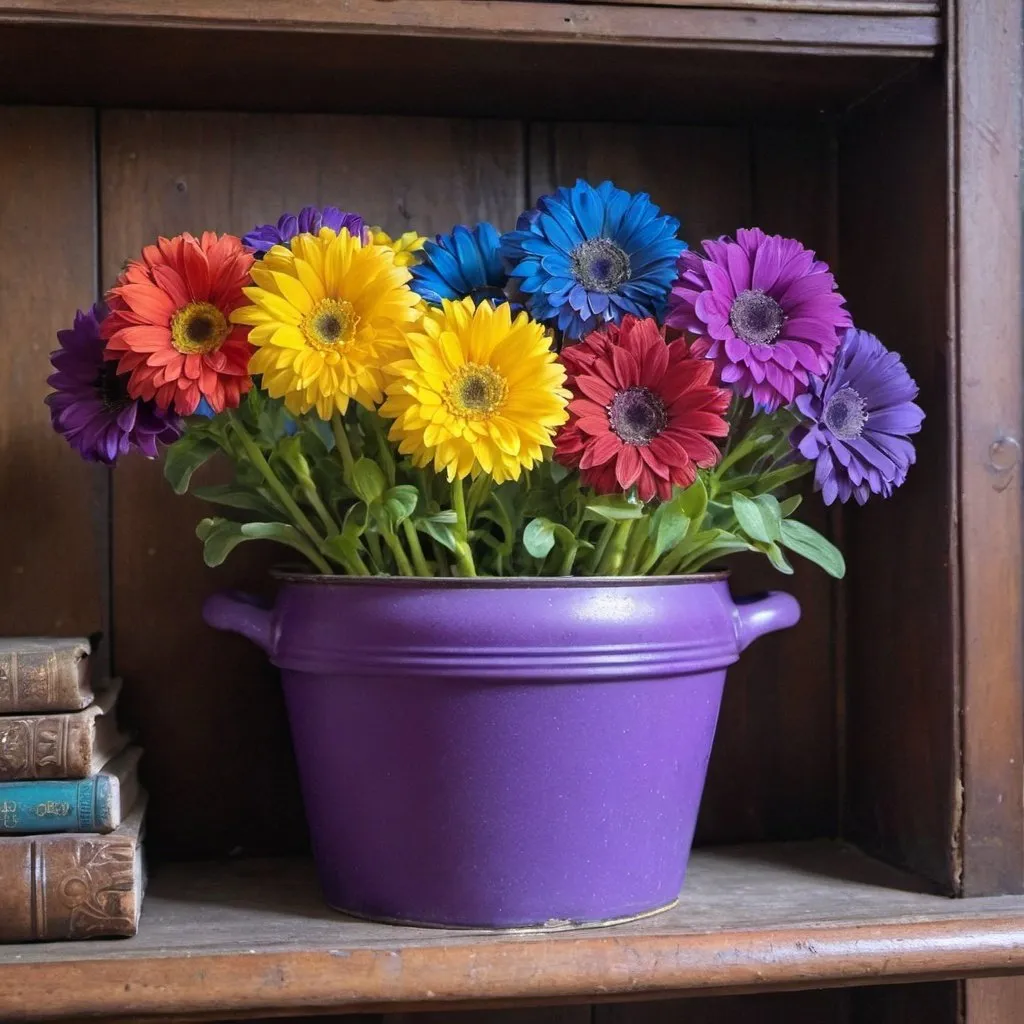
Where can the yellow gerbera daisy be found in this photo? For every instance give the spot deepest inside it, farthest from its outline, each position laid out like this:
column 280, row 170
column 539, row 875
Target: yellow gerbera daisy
column 328, row 313
column 405, row 246
column 476, row 391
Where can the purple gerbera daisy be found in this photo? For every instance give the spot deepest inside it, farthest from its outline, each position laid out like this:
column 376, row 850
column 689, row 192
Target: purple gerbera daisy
column 309, row 220
column 768, row 312
column 860, row 421
column 90, row 405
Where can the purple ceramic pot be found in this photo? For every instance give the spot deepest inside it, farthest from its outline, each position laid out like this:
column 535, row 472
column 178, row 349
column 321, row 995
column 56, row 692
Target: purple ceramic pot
column 503, row 753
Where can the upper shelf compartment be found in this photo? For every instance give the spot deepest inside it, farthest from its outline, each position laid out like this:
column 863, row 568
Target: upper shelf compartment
column 503, row 58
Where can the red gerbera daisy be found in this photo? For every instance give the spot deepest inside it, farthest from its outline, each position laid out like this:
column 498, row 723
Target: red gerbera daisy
column 169, row 325
column 643, row 413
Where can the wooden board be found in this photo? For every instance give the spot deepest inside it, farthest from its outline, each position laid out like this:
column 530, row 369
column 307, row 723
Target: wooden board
column 773, row 768
column 608, row 24
column 902, row 760
column 209, row 705
column 54, row 518
column 994, row 1001
column 252, row 938
column 985, row 196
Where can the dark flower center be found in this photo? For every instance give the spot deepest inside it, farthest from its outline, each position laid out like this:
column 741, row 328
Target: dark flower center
column 330, row 323
column 599, row 265
column 198, row 328
column 111, row 388
column 846, row 414
column 329, row 327
column 756, row 317
column 637, row 415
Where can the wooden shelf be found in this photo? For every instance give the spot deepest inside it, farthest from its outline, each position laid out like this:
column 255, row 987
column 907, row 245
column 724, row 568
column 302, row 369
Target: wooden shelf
column 766, row 25
column 253, row 937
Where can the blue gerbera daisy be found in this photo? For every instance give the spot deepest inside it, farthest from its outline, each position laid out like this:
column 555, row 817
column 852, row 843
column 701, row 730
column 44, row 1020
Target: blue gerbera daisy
column 463, row 263
column 588, row 256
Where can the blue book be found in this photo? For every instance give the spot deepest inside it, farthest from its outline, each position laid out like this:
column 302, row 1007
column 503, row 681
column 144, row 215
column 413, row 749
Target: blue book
column 97, row 804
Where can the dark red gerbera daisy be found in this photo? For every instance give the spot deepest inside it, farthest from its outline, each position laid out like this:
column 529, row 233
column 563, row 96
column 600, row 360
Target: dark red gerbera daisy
column 643, row 412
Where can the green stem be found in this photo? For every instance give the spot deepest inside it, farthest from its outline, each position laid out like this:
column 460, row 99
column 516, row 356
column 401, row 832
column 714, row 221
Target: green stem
column 376, row 554
column 401, row 558
column 565, row 569
column 440, row 557
column 257, row 458
column 313, row 497
column 314, row 556
column 602, row 546
column 413, row 540
column 344, row 448
column 463, row 556
column 611, row 563
column 387, row 460
column 637, row 540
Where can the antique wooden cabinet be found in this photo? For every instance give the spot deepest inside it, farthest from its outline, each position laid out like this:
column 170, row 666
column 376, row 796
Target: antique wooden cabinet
column 863, row 821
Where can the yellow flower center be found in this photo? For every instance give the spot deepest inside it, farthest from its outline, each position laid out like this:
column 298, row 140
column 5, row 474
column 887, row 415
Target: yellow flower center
column 198, row 328
column 475, row 392
column 330, row 323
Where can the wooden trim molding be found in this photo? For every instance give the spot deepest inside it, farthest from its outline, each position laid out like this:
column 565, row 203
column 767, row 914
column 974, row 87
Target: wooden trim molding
column 776, row 29
column 984, row 100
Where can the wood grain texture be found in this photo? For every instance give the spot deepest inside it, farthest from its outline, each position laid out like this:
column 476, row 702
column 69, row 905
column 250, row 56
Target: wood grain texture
column 994, row 1001
column 773, row 767
column 55, row 515
column 178, row 68
column 986, row 199
column 253, row 938
column 208, row 706
column 902, row 760
column 609, row 24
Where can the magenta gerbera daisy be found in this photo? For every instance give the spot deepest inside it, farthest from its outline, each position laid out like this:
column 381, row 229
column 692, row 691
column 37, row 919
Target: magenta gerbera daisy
column 644, row 412
column 767, row 311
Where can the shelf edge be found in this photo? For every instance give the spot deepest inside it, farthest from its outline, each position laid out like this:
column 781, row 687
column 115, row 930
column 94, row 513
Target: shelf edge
column 589, row 967
column 517, row 20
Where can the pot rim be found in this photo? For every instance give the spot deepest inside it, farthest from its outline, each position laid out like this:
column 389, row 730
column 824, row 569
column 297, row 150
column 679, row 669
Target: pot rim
column 494, row 582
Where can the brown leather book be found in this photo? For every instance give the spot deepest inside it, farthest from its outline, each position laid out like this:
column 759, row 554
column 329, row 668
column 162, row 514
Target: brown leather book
column 73, row 886
column 69, row 746
column 44, row 674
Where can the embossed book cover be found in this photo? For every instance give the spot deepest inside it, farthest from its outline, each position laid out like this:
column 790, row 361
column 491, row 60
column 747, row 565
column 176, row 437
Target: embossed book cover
column 73, row 886
column 96, row 804
column 44, row 674
column 62, row 746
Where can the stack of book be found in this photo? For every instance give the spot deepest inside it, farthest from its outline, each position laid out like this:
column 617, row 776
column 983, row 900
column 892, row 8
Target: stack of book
column 71, row 809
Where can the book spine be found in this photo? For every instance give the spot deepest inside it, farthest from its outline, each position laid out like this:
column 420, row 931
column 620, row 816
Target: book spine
column 34, row 681
column 83, row 806
column 45, row 747
column 68, row 887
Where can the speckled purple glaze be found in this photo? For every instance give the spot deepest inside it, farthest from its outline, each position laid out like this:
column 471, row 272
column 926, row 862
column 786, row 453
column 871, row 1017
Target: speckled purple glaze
column 502, row 753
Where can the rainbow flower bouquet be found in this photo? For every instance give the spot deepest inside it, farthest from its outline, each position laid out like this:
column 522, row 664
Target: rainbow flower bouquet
column 582, row 395
column 503, row 462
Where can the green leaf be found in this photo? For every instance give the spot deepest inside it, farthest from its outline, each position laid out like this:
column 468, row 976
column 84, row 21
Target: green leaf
column 441, row 532
column 693, row 502
column 760, row 519
column 221, row 536
column 669, row 525
column 446, row 517
column 400, row 502
column 614, row 508
column 539, row 537
column 184, row 457
column 775, row 556
column 368, row 480
column 289, row 451
column 790, row 505
column 237, row 497
column 342, row 547
column 806, row 541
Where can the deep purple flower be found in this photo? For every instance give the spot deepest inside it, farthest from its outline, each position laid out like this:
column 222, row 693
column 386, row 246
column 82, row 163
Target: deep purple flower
column 768, row 312
column 860, row 421
column 90, row 405
column 309, row 220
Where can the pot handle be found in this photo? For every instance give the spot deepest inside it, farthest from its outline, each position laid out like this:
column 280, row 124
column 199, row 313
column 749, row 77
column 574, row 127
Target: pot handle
column 241, row 613
column 764, row 613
